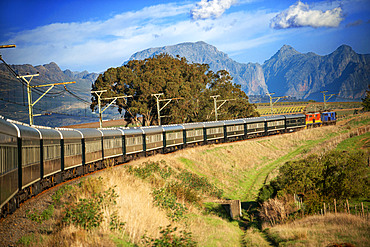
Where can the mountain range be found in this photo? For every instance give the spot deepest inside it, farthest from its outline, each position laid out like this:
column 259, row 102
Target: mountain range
column 287, row 73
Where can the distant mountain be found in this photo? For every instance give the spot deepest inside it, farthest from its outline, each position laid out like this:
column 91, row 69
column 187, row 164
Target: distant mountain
column 288, row 72
column 13, row 95
column 299, row 75
column 249, row 76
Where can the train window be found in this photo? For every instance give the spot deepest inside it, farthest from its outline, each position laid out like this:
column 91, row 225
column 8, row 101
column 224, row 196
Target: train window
column 275, row 123
column 93, row 145
column 173, row 135
column 8, row 158
column 193, row 133
column 235, row 128
column 51, row 151
column 71, row 149
column 114, row 142
column 134, row 140
column 256, row 126
column 154, row 138
column 8, row 153
column 213, row 131
column 30, row 152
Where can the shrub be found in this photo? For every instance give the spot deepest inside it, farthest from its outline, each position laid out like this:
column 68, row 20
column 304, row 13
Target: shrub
column 166, row 200
column 168, row 238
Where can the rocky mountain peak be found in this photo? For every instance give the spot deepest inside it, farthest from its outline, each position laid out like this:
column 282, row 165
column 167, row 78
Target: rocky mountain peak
column 286, row 51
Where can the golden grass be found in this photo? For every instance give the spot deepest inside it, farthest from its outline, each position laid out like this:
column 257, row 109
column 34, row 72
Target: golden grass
column 135, row 205
column 213, row 231
column 323, row 230
column 254, row 238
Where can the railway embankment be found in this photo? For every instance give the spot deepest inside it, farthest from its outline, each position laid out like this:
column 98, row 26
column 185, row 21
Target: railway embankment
column 164, row 198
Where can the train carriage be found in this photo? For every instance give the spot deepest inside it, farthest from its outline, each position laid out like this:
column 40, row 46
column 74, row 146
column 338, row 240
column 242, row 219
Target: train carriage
column 275, row 124
column 30, row 158
column 133, row 140
column 93, row 140
column 255, row 126
column 173, row 136
column 153, row 137
column 214, row 131
column 51, row 151
column 193, row 133
column 235, row 128
column 295, row 122
column 113, row 143
column 71, row 148
column 8, row 166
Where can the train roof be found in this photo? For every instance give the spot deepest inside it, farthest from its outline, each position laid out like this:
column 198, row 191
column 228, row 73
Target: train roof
column 255, row 119
column 26, row 131
column 193, row 125
column 70, row 133
column 132, row 131
column 213, row 124
column 7, row 128
column 176, row 127
column 152, row 129
column 235, row 121
column 295, row 116
column 274, row 118
column 48, row 133
column 112, row 132
column 91, row 133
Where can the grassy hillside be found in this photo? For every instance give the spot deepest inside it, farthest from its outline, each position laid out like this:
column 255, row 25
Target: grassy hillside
column 167, row 198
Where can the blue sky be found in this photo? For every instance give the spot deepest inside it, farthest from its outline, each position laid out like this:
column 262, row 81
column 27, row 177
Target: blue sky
column 96, row 35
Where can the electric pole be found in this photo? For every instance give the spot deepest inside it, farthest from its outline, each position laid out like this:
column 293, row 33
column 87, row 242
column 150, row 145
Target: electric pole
column 215, row 104
column 277, row 99
column 157, row 96
column 99, row 93
column 7, row 46
column 326, row 99
column 29, row 93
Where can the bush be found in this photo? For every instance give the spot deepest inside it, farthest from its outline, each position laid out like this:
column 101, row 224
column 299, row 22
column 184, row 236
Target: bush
column 335, row 175
column 168, row 238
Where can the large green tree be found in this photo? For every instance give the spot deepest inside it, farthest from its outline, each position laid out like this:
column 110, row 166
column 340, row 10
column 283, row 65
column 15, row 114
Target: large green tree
column 191, row 84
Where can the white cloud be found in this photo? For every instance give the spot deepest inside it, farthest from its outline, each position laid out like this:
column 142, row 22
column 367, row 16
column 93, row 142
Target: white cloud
column 96, row 46
column 211, row 8
column 300, row 15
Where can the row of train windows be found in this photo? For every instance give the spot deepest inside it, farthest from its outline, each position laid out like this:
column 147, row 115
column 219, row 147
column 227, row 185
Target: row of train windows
column 193, row 133
column 256, row 126
column 8, row 158
column 93, row 146
column 235, row 128
column 51, row 152
column 30, row 155
column 71, row 149
column 275, row 123
column 174, row 135
column 154, row 138
column 112, row 143
column 135, row 140
column 213, row 131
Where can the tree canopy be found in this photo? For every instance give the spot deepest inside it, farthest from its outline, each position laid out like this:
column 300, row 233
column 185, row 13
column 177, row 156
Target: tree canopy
column 366, row 101
column 190, row 85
